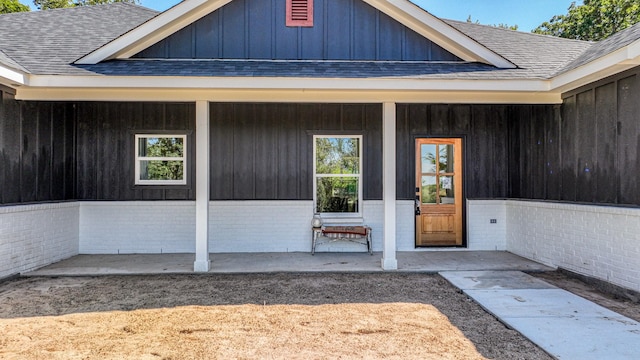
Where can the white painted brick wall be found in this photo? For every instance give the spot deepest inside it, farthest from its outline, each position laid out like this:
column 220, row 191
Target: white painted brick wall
column 284, row 226
column 137, row 227
column 481, row 233
column 596, row 241
column 32, row 236
column 405, row 226
column 260, row 226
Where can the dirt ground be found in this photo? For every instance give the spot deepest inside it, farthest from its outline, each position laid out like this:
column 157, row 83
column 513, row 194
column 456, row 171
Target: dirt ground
column 271, row 316
column 265, row 316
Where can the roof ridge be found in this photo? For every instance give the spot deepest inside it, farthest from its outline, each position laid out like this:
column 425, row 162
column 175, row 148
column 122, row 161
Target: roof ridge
column 497, row 28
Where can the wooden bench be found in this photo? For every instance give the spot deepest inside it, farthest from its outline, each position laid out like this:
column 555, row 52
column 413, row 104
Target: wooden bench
column 358, row 234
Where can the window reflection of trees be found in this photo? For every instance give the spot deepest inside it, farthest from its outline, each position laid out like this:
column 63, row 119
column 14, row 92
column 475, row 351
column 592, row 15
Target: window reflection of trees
column 336, row 159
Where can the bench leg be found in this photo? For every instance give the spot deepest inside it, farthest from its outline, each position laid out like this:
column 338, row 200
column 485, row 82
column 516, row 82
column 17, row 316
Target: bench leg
column 313, row 242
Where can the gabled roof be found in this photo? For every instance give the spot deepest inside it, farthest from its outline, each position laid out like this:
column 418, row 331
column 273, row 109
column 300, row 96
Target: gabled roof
column 39, row 50
column 403, row 11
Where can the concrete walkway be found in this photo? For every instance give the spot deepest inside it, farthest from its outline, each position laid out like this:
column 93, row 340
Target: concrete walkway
column 563, row 324
column 426, row 261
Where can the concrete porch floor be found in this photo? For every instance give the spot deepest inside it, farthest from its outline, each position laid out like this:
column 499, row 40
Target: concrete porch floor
column 423, row 261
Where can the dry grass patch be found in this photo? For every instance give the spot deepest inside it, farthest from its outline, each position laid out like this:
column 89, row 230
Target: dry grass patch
column 345, row 331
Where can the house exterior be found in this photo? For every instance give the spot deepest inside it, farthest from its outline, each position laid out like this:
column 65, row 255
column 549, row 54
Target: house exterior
column 223, row 126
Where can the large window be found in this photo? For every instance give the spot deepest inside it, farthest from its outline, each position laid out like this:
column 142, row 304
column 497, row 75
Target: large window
column 337, row 182
column 161, row 160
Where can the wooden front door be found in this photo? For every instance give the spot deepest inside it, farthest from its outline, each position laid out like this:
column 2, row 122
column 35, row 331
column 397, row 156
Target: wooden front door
column 439, row 192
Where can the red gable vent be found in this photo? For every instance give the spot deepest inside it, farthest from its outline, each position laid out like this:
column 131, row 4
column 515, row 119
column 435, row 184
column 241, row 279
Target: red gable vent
column 300, row 13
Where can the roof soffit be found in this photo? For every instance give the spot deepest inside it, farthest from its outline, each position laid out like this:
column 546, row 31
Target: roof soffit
column 402, row 11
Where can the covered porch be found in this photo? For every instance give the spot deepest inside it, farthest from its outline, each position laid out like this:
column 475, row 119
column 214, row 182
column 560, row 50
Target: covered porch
column 426, row 261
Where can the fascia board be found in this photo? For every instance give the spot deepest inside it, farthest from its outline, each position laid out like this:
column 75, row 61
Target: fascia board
column 273, row 83
column 289, row 96
column 439, row 32
column 11, row 77
column 153, row 30
column 611, row 64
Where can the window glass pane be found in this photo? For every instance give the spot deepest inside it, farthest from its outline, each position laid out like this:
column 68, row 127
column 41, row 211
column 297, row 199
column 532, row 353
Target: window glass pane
column 161, row 147
column 446, row 190
column 337, row 155
column 337, row 194
column 446, row 158
column 429, row 190
column 428, row 155
column 161, row 170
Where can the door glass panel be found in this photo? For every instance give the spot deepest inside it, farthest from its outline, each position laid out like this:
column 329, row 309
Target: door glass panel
column 428, row 156
column 446, row 158
column 447, row 190
column 429, row 190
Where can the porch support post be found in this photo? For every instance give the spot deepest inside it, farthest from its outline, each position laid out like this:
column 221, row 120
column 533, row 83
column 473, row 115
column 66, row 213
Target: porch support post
column 389, row 261
column 202, row 263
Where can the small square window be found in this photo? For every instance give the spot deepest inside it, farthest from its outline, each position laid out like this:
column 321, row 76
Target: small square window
column 161, row 159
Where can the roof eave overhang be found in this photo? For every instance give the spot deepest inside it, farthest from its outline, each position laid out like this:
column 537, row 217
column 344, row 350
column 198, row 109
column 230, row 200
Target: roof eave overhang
column 403, row 11
column 616, row 62
column 284, row 89
column 12, row 78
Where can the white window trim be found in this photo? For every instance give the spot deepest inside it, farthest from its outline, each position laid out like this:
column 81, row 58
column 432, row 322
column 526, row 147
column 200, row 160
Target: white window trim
column 353, row 215
column 139, row 158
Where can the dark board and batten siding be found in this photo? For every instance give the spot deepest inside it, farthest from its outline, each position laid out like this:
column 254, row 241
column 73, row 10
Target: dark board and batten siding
column 36, row 151
column 105, row 148
column 83, row 151
column 484, row 129
column 265, row 151
column 255, row 29
column 600, row 132
column 585, row 151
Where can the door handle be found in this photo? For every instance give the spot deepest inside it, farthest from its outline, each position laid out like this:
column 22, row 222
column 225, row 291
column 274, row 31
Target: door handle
column 417, row 205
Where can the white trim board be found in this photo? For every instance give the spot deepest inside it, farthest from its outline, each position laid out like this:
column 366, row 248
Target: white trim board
column 11, row 78
column 613, row 63
column 297, row 95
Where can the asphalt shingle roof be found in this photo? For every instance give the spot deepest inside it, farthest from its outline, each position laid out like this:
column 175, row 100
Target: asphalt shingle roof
column 48, row 43
column 607, row 46
column 282, row 68
column 540, row 55
column 8, row 61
